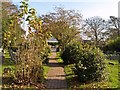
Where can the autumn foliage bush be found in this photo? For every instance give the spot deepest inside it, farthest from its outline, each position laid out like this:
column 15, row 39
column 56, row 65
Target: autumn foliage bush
column 33, row 49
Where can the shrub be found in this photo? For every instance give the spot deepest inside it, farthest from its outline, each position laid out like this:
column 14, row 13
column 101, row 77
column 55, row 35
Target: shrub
column 88, row 60
column 57, row 49
column 90, row 65
column 29, row 68
column 71, row 52
column 113, row 45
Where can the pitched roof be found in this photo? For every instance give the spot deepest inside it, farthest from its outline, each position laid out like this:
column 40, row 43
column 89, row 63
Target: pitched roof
column 52, row 40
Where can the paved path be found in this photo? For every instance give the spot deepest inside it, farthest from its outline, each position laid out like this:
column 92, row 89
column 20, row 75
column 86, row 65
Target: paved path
column 56, row 76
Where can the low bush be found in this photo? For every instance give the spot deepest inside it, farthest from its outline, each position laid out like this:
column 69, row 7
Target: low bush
column 90, row 65
column 71, row 52
column 113, row 45
column 88, row 60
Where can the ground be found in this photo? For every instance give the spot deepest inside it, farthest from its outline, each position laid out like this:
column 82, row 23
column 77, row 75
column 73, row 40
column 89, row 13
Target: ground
column 56, row 75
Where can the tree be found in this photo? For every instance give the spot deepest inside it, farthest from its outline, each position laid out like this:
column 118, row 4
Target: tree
column 11, row 30
column 95, row 29
column 114, row 27
column 63, row 24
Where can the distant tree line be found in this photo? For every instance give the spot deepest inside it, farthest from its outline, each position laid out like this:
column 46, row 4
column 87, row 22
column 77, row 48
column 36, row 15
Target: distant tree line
column 68, row 26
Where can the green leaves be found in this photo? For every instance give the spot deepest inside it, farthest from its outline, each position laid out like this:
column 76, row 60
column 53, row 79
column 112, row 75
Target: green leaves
column 28, row 18
column 23, row 8
column 11, row 23
column 89, row 61
column 113, row 45
column 32, row 11
column 71, row 53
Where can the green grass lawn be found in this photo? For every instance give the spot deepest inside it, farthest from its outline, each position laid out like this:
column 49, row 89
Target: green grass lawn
column 113, row 73
column 46, row 69
column 59, row 59
column 7, row 63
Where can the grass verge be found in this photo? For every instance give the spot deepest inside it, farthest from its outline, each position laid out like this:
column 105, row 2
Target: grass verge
column 46, row 69
column 112, row 67
column 59, row 59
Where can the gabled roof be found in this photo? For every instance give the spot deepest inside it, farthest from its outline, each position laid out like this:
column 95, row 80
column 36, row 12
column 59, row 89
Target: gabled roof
column 52, row 40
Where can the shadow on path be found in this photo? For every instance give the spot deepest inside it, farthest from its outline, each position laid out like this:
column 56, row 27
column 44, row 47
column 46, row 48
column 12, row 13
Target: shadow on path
column 56, row 75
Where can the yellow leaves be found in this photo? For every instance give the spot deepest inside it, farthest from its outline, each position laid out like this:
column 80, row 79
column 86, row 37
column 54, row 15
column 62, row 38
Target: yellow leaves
column 9, row 41
column 8, row 36
column 5, row 38
column 5, row 35
column 11, row 23
column 15, row 38
column 26, row 10
column 40, row 23
column 26, row 65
